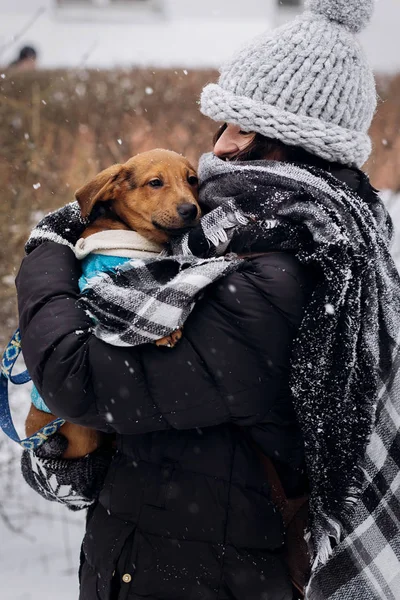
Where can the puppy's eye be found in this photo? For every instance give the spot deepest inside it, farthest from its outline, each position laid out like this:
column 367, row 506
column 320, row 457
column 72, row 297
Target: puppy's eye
column 193, row 180
column 156, row 183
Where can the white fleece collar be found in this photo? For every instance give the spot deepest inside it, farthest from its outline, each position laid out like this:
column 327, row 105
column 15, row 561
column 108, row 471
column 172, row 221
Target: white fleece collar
column 117, row 242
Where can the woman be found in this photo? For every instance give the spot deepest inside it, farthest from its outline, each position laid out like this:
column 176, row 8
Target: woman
column 185, row 511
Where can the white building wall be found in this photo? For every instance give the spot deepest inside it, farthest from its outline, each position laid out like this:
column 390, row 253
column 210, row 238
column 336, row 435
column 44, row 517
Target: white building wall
column 382, row 38
column 203, row 36
column 221, row 9
column 186, row 33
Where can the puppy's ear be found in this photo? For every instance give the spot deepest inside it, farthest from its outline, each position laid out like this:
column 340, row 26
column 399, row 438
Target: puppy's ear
column 100, row 189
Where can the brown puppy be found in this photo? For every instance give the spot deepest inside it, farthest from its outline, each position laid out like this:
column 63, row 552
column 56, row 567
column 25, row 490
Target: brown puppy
column 155, row 194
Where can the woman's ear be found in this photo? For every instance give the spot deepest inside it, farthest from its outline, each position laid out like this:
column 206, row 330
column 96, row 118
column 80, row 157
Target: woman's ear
column 99, row 189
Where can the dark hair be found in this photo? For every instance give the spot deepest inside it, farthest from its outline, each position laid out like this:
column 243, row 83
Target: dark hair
column 263, row 148
column 27, row 52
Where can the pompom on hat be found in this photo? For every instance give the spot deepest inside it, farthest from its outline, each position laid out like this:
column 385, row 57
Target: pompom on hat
column 355, row 15
column 307, row 83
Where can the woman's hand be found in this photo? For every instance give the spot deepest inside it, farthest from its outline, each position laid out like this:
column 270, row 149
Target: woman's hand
column 76, row 483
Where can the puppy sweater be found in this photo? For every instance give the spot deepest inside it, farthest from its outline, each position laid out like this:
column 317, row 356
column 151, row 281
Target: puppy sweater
column 101, row 252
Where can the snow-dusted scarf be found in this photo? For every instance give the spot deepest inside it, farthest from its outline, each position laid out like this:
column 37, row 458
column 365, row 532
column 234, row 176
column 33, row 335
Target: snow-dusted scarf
column 345, row 360
column 345, row 376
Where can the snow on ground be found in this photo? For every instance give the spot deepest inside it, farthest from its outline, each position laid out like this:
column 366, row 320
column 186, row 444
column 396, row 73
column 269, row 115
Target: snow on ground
column 40, row 560
column 40, row 540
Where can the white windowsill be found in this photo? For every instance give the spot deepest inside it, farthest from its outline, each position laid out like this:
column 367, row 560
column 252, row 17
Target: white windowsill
column 120, row 12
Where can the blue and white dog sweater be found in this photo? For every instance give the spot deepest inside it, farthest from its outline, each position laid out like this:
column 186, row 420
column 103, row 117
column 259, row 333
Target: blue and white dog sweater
column 101, row 252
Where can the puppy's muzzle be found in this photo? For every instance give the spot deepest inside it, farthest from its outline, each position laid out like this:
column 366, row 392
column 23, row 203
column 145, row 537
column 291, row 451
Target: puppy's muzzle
column 187, row 212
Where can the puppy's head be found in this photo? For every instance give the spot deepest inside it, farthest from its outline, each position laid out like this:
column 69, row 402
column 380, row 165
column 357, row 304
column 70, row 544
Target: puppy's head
column 154, row 193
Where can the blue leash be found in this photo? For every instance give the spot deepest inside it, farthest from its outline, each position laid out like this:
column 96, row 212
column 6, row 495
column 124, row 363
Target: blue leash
column 10, row 356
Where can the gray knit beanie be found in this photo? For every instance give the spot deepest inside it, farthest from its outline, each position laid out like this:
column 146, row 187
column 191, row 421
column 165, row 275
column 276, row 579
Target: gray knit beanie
column 307, row 83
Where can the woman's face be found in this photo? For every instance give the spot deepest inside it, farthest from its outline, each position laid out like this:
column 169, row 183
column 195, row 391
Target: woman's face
column 232, row 141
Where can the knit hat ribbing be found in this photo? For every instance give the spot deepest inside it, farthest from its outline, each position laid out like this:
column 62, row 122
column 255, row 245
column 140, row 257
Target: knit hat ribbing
column 307, row 83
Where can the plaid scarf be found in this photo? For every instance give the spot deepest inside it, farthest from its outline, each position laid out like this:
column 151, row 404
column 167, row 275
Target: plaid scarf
column 142, row 300
column 345, row 375
column 344, row 371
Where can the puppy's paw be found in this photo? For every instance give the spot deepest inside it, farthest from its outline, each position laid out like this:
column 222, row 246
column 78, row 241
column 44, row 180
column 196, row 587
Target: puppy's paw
column 170, row 340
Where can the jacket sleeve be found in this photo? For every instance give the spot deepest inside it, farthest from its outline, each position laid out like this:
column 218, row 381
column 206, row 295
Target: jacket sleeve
column 244, row 325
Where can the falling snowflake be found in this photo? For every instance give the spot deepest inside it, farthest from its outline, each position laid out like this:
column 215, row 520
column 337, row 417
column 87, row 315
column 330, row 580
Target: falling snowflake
column 149, row 91
column 80, row 90
column 36, row 186
column 8, row 279
column 194, row 508
column 119, row 141
column 329, row 309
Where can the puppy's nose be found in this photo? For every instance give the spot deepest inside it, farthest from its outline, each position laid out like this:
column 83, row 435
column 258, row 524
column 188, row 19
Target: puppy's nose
column 187, row 211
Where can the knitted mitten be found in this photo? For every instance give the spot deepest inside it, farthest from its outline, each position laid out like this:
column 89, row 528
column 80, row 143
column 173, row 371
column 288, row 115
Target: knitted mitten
column 73, row 482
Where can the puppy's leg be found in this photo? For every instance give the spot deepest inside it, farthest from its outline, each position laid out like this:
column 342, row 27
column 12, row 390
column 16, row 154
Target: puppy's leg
column 36, row 419
column 81, row 440
column 170, row 340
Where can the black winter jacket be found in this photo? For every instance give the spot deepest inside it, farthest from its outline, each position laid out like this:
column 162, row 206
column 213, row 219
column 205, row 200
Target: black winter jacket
column 185, row 512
